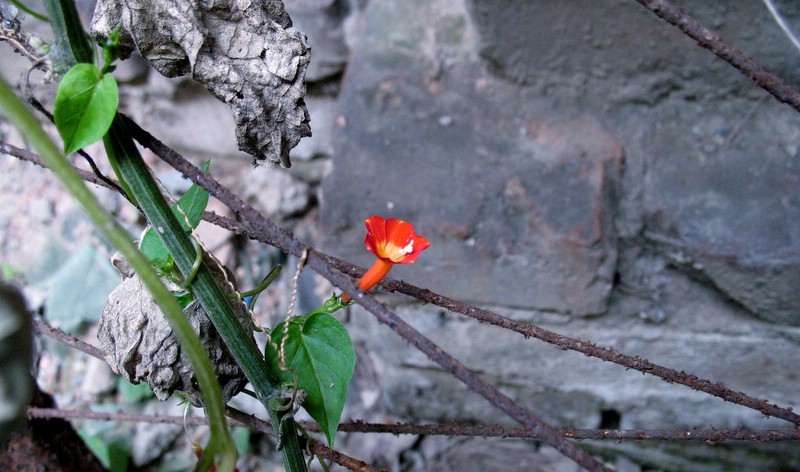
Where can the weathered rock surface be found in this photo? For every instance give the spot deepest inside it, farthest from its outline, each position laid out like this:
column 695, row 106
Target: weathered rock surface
column 499, row 130
column 322, row 21
column 480, row 123
column 734, row 220
column 517, row 203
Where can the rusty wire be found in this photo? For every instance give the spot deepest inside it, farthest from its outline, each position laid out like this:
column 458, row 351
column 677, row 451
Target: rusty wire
column 240, row 418
column 474, row 382
column 707, row 39
column 266, row 231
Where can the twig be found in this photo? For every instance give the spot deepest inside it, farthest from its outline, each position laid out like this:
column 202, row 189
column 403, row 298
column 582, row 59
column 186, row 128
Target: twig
column 11, row 32
column 526, row 329
column 286, row 242
column 67, row 339
column 315, row 446
column 237, row 416
column 711, row 41
column 454, row 429
column 22, row 154
column 529, row 330
column 240, row 418
column 48, row 413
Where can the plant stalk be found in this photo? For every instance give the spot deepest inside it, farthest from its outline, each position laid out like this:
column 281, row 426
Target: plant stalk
column 16, row 111
column 121, row 148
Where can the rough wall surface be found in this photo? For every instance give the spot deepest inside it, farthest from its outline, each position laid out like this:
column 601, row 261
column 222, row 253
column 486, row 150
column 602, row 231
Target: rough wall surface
column 581, row 166
column 586, row 167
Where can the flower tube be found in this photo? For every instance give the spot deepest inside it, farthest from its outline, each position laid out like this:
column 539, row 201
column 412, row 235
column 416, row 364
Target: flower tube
column 394, row 242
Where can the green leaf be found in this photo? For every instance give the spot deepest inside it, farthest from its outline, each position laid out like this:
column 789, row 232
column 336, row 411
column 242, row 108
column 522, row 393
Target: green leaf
column 319, row 350
column 193, row 203
column 184, row 298
column 241, row 436
column 152, row 247
column 134, row 393
column 85, row 105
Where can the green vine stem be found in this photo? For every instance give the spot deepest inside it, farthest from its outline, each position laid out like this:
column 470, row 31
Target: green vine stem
column 138, row 181
column 221, row 442
column 29, row 11
column 121, row 148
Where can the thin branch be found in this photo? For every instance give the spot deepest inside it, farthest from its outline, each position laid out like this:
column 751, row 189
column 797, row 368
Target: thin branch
column 285, row 241
column 454, row 429
column 50, row 413
column 316, row 447
column 22, row 154
column 528, row 330
column 20, row 42
column 66, row 338
column 711, row 41
column 240, row 418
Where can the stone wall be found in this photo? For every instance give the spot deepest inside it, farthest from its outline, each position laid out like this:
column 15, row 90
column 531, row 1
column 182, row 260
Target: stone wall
column 584, row 166
column 581, row 165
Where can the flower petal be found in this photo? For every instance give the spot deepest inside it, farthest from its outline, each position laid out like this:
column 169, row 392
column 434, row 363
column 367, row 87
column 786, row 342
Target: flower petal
column 394, row 240
column 376, row 234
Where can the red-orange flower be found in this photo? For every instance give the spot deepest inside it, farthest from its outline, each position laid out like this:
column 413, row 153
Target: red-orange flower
column 394, row 242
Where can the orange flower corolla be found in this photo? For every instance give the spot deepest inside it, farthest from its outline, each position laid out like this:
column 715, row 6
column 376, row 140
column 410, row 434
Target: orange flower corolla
column 394, row 242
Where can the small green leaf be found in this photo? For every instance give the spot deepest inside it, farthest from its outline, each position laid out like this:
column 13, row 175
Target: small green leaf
column 184, row 298
column 241, row 436
column 134, row 393
column 85, row 105
column 193, row 203
column 152, row 247
column 319, row 350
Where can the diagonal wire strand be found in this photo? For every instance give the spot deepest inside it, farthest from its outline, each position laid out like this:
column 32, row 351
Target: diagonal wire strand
column 528, row 330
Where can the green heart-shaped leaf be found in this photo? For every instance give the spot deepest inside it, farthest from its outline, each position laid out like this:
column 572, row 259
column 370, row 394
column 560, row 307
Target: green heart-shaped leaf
column 85, row 105
column 319, row 350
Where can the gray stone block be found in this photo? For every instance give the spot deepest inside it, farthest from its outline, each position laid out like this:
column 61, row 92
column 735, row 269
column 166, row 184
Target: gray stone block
column 498, row 128
column 322, row 21
column 518, row 203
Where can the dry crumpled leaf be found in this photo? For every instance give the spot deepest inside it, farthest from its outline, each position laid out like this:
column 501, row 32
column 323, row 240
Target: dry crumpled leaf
column 138, row 343
column 245, row 52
